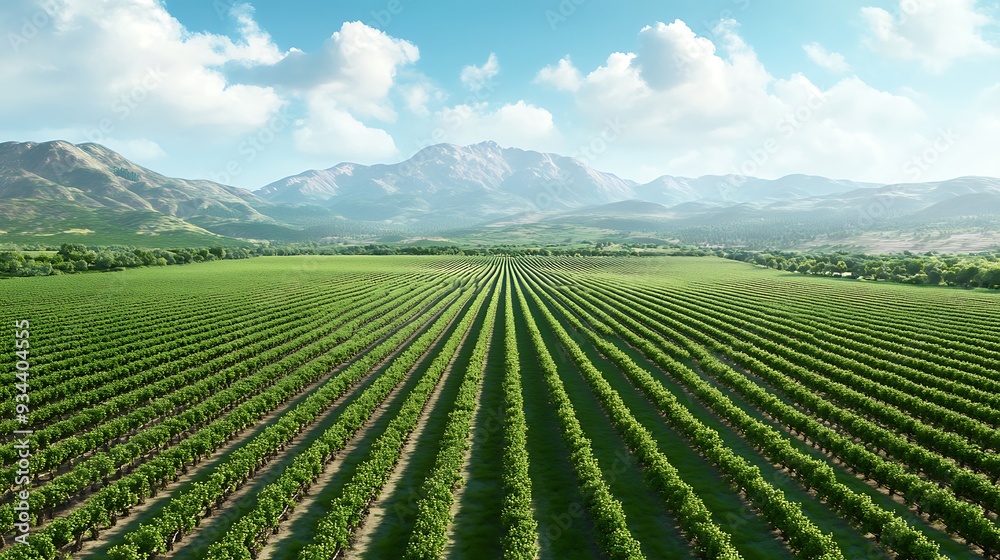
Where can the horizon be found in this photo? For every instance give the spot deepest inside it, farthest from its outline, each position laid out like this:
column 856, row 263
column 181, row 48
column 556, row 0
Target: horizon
column 875, row 91
column 874, row 184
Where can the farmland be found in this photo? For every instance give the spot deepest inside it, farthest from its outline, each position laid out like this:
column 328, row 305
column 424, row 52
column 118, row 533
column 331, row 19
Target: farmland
column 498, row 407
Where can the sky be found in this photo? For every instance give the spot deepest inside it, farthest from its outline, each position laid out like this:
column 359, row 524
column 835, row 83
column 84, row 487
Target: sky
column 245, row 93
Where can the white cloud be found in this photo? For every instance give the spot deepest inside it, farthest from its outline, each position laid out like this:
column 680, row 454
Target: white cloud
column 357, row 70
column 618, row 81
column 416, row 98
column 135, row 67
column 257, row 46
column 670, row 54
column 369, row 60
column 857, row 131
column 475, row 77
column 127, row 74
column 519, row 124
column 334, row 132
column 971, row 131
column 935, row 33
column 832, row 61
column 696, row 85
column 691, row 106
column 357, row 64
column 563, row 76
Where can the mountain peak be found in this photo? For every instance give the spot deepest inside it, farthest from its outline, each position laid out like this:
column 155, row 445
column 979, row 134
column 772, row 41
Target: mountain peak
column 96, row 176
column 478, row 181
column 489, row 144
column 449, row 148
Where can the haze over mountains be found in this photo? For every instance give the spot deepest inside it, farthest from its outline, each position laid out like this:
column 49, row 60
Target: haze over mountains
column 488, row 181
column 445, row 187
column 91, row 175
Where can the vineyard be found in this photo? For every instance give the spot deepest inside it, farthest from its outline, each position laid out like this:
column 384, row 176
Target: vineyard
column 497, row 407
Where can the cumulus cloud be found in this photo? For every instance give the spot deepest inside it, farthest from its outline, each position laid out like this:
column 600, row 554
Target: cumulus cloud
column 935, row 33
column 416, row 98
column 517, row 124
column 111, row 71
column 563, row 76
column 681, row 77
column 133, row 65
column 670, row 54
column 475, row 77
column 358, row 64
column 256, row 46
column 691, row 105
column 832, row 61
column 969, row 135
column 333, row 131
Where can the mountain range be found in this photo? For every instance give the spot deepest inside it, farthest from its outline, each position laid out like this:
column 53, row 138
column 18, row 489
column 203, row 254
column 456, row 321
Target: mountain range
column 489, row 181
column 53, row 190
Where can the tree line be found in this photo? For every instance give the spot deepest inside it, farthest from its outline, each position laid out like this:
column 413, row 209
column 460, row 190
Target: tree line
column 981, row 270
column 76, row 257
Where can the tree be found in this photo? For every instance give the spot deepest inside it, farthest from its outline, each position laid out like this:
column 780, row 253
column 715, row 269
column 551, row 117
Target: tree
column 11, row 263
column 913, row 266
column 990, row 278
column 934, row 275
column 965, row 275
column 104, row 261
column 33, row 268
column 72, row 251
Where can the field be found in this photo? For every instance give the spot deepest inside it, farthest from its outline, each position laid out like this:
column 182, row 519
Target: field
column 472, row 407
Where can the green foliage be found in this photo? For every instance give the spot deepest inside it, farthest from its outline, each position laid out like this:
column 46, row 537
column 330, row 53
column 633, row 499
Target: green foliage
column 968, row 271
column 429, row 536
column 140, row 381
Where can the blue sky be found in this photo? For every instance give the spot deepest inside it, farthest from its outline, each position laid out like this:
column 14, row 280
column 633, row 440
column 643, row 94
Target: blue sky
column 249, row 92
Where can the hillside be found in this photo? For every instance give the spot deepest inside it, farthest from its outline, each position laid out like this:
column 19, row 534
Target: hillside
column 480, row 194
column 446, row 182
column 94, row 176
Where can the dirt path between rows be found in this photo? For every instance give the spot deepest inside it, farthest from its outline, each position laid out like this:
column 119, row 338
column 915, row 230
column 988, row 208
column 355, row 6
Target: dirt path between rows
column 456, row 504
column 78, row 497
column 310, row 500
column 365, row 533
column 217, row 456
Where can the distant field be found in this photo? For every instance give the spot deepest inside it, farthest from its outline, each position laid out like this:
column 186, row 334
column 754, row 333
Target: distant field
column 430, row 407
column 899, row 241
